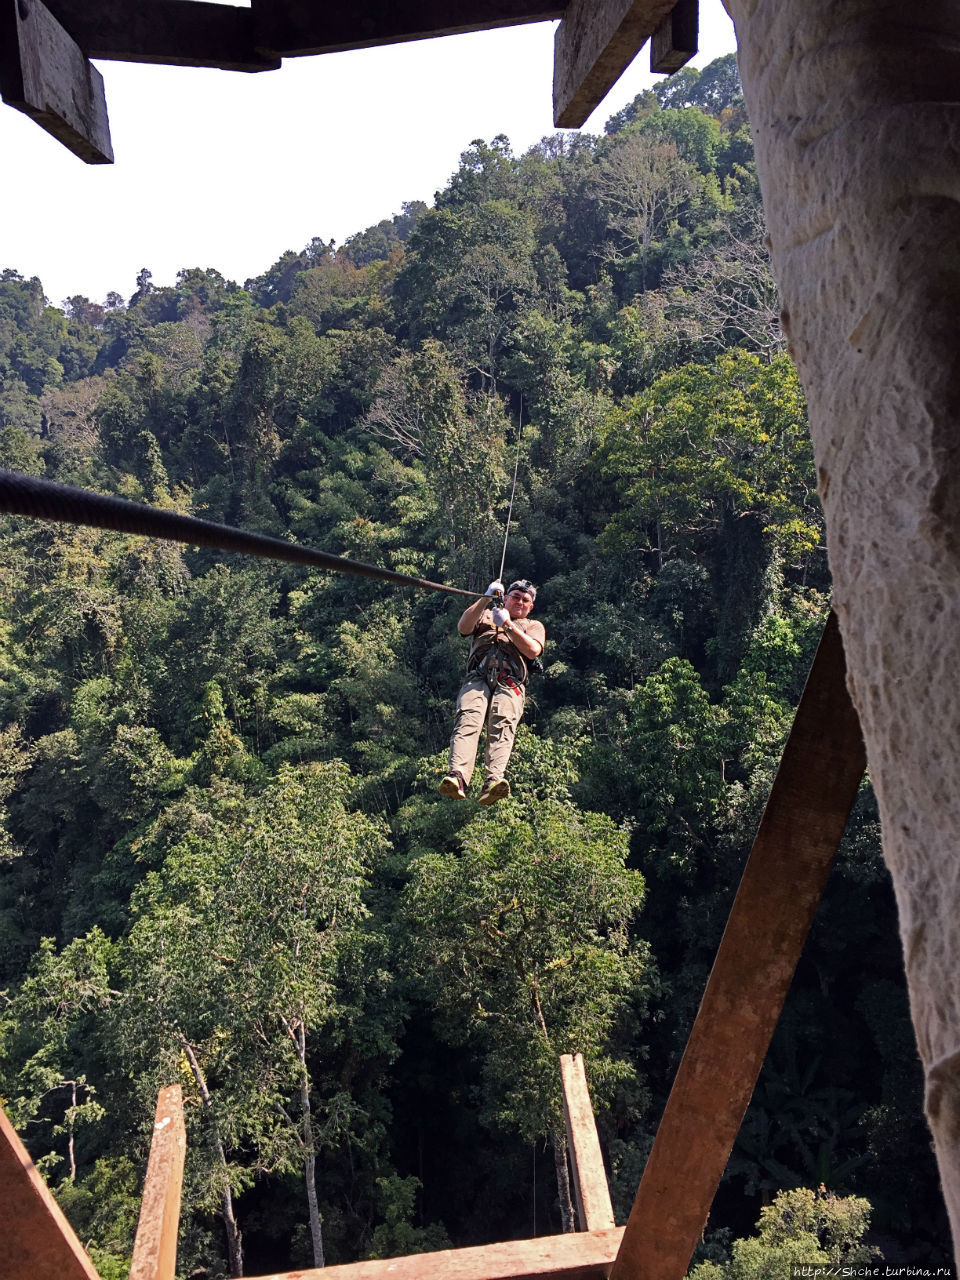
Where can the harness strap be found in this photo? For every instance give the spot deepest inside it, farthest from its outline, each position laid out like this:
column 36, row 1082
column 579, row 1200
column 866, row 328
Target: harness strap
column 495, row 676
column 494, row 661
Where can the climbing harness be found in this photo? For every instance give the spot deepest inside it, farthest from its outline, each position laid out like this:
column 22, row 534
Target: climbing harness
column 500, row 668
column 498, row 664
column 44, row 500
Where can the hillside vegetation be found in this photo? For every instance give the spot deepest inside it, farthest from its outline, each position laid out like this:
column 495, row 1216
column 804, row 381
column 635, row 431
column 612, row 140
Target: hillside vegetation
column 223, row 860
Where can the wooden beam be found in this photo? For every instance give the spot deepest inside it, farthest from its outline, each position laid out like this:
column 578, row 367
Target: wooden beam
column 295, row 27
column 155, row 1246
column 36, row 1240
column 183, row 33
column 580, row 1255
column 44, row 74
column 802, row 825
column 594, row 44
column 594, row 1209
column 197, row 33
column 674, row 42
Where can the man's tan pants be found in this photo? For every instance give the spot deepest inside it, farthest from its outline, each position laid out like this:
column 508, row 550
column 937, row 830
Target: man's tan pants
column 501, row 709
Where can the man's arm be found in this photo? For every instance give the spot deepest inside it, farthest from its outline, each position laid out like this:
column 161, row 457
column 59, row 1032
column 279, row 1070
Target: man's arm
column 474, row 612
column 471, row 616
column 529, row 643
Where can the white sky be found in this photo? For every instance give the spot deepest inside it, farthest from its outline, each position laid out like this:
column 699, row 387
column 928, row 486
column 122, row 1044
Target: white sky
column 227, row 170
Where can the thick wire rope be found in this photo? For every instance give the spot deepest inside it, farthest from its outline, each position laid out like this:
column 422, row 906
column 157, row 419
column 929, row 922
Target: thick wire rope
column 22, row 495
column 513, row 490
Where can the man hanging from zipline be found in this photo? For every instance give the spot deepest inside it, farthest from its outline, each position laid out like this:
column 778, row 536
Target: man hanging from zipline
column 505, row 642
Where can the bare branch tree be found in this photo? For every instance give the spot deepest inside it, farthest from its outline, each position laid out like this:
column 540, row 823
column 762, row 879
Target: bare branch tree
column 642, row 184
column 397, row 416
column 726, row 296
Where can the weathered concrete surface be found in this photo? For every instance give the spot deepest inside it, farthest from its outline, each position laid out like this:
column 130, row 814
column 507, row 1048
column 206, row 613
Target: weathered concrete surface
column 855, row 112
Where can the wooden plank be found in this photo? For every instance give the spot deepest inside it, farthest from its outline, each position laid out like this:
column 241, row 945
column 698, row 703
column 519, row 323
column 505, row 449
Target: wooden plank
column 580, row 1255
column 674, row 42
column 594, row 1209
column 594, row 44
column 183, row 33
column 155, row 1246
column 296, row 27
column 802, row 825
column 36, row 1240
column 44, row 74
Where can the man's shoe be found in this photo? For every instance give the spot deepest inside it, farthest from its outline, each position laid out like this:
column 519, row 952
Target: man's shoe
column 494, row 789
column 453, row 786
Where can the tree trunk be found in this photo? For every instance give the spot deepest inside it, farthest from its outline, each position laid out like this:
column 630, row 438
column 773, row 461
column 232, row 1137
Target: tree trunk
column 856, row 118
column 234, row 1237
column 568, row 1217
column 313, row 1208
column 309, row 1151
column 558, row 1138
column 70, row 1148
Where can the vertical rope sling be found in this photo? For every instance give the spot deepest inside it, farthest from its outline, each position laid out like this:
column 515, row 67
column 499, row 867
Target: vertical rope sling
column 513, row 490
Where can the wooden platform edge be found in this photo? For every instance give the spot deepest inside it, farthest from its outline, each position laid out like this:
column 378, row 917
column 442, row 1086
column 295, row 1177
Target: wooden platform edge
column 594, row 1210
column 578, row 1255
column 801, row 828
column 38, row 1242
column 155, row 1247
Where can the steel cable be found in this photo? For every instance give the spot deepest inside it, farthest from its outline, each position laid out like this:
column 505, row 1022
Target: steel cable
column 22, row 495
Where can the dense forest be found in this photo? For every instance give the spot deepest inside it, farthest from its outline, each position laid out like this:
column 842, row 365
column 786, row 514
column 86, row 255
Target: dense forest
column 223, row 858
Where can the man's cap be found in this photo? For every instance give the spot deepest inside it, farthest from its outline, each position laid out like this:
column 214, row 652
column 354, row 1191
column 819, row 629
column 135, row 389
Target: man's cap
column 522, row 585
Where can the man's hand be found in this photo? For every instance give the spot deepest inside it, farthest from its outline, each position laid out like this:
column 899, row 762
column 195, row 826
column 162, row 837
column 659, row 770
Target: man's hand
column 494, row 589
column 501, row 617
